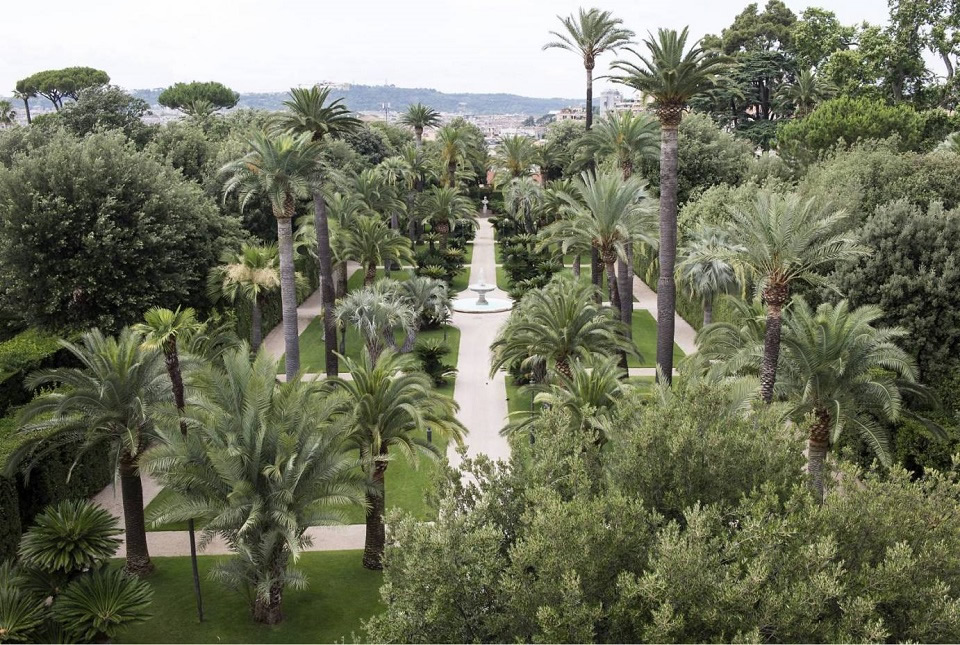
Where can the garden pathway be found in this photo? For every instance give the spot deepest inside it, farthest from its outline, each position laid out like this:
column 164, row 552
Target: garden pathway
column 483, row 405
column 684, row 335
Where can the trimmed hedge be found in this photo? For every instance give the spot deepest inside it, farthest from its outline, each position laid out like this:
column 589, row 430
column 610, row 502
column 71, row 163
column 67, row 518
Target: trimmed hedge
column 29, row 350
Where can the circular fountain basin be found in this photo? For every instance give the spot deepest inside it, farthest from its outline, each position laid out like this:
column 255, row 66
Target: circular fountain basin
column 474, row 306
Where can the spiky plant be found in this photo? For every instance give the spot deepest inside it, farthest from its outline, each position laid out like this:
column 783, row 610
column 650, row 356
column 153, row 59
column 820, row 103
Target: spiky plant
column 429, row 298
column 94, row 607
column 514, row 157
column 446, row 209
column 251, row 274
column 377, row 313
column 705, row 269
column 22, row 613
column 419, row 117
column 70, row 537
column 370, row 243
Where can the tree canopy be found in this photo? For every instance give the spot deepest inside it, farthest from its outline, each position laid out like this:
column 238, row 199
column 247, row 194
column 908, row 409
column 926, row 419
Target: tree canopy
column 183, row 96
column 58, row 84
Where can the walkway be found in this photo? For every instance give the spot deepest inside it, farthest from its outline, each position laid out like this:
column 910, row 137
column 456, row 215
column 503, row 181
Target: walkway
column 684, row 335
column 482, row 400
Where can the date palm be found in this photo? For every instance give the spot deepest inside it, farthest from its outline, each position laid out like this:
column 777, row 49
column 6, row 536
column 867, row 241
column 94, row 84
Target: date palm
column 672, row 74
column 550, row 158
column 370, row 243
column 785, row 239
column 391, row 405
column 805, row 93
column 454, row 146
column 419, row 117
column 311, row 113
column 251, row 273
column 282, row 168
column 590, row 33
column 705, row 269
column 105, row 404
column 733, row 348
column 259, row 480
column 446, row 209
column 161, row 330
column 557, row 325
column 514, row 157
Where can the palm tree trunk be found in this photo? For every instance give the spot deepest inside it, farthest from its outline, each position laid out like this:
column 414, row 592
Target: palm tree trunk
column 625, row 283
column 707, row 311
column 817, row 445
column 612, row 286
column 376, row 532
column 411, row 220
column 771, row 341
column 563, row 366
column 589, row 114
column 666, row 286
column 325, row 259
column 418, row 133
column 452, row 174
column 256, row 325
column 288, row 297
column 268, row 610
column 596, row 272
column 576, row 265
column 371, row 274
column 131, row 489
column 410, row 340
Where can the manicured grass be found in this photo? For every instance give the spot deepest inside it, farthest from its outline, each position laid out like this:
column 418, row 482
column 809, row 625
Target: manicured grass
column 312, row 346
column 497, row 254
column 645, row 339
column 516, row 402
column 339, row 596
column 503, row 282
column 585, row 274
column 356, row 280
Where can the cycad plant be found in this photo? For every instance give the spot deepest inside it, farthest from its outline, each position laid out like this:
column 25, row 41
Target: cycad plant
column 259, row 480
column 672, row 74
column 69, row 538
column 589, row 34
column 391, row 404
column 106, row 404
column 705, row 269
column 251, row 274
column 446, row 209
column 370, row 243
column 419, row 117
column 94, row 607
column 283, row 168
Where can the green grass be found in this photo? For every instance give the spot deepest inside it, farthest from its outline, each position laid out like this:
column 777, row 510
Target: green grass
column 516, row 402
column 356, row 280
column 645, row 339
column 339, row 596
column 585, row 273
column 503, row 282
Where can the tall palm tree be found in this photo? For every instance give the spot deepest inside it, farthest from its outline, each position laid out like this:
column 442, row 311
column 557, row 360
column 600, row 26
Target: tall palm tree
column 251, row 273
column 557, row 325
column 844, row 374
column 161, row 330
column 514, row 157
column 446, row 209
column 733, row 348
column 258, row 480
column 390, row 403
column 454, row 143
column 624, row 136
column 704, row 268
column 376, row 312
column 805, row 93
column 589, row 34
column 550, row 158
column 785, row 239
column 105, row 404
column 672, row 74
column 419, row 117
column 7, row 114
column 522, row 198
column 371, row 243
column 311, row 114
column 421, row 162
column 283, row 168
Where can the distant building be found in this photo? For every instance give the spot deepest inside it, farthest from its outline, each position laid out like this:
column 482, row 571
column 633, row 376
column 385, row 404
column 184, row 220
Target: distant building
column 614, row 101
column 571, row 114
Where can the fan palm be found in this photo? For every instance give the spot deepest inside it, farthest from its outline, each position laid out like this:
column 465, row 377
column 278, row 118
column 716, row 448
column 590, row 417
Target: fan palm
column 311, row 114
column 257, row 479
column 704, row 268
column 161, row 330
column 557, row 325
column 785, row 239
column 251, row 273
column 589, row 34
column 282, row 168
column 376, row 312
column 391, row 402
column 419, row 117
column 805, row 93
column 446, row 209
column 105, row 403
column 371, row 243
column 514, row 157
column 454, row 143
column 672, row 74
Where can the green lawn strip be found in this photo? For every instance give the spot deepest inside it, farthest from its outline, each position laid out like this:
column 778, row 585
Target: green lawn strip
column 356, row 280
column 645, row 339
column 497, row 254
column 312, row 347
column 503, row 282
column 340, row 594
column 516, row 402
column 585, row 273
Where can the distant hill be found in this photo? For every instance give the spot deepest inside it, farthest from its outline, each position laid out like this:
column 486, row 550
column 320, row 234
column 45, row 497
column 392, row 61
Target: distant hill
column 362, row 98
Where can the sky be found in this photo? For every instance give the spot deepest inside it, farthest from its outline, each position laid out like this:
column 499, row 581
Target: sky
column 264, row 46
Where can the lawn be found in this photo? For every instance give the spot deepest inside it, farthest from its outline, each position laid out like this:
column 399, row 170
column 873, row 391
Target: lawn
column 339, row 596
column 585, row 273
column 645, row 339
column 458, row 284
column 503, row 282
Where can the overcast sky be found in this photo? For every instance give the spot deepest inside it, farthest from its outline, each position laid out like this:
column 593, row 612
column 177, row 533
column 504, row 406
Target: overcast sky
column 452, row 46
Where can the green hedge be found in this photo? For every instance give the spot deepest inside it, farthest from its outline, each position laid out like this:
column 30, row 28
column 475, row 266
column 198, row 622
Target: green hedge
column 29, row 350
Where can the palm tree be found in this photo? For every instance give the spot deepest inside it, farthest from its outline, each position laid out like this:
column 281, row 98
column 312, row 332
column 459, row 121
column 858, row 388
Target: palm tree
column 733, row 348
column 429, row 299
column 420, row 117
column 258, row 480
column 7, row 114
column 376, row 312
column 283, row 168
column 251, row 273
column 805, row 93
column 371, row 243
column 672, row 75
column 556, row 325
column 704, row 268
column 453, row 147
column 105, row 403
column 390, row 403
column 521, row 198
column 446, row 209
column 421, row 163
column 785, row 239
column 515, row 157
column 550, row 158
column 589, row 34
column 311, row 114
column 843, row 373
column 161, row 329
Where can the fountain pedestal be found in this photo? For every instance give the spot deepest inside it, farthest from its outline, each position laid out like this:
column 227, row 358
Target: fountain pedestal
column 481, row 304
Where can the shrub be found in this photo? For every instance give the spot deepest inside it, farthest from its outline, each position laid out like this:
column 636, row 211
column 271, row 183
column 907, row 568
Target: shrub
column 70, row 537
column 430, row 355
column 94, row 607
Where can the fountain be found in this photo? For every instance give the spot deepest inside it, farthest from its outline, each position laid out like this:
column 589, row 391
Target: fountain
column 482, row 304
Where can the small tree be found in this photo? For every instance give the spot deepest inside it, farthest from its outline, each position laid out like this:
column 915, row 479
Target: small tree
column 252, row 273
column 58, row 84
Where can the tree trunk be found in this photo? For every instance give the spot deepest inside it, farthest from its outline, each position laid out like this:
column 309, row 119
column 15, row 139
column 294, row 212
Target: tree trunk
column 707, row 311
column 443, row 228
column 131, row 489
column 26, row 108
column 563, row 366
column 625, row 284
column 376, row 532
column 775, row 297
column 452, row 174
column 268, row 610
column 589, row 115
column 256, row 325
column 343, row 340
column 596, row 272
column 666, row 286
column 418, row 133
column 371, row 274
column 817, row 445
column 325, row 260
column 288, row 296
column 410, row 341
column 612, row 286
column 576, row 265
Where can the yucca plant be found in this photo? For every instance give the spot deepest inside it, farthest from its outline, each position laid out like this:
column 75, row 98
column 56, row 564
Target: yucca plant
column 70, row 537
column 95, row 606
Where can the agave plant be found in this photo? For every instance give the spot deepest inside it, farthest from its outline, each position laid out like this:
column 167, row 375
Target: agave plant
column 73, row 536
column 95, row 606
